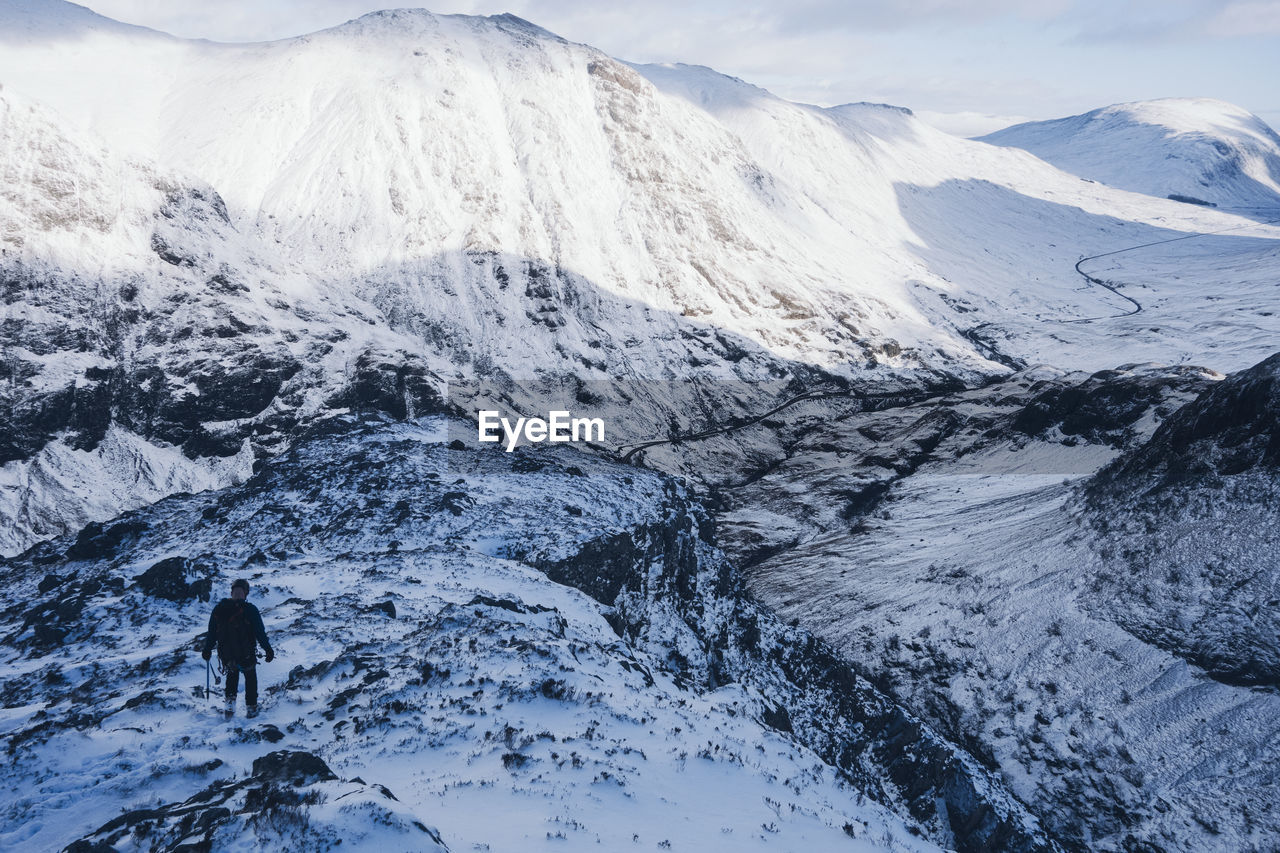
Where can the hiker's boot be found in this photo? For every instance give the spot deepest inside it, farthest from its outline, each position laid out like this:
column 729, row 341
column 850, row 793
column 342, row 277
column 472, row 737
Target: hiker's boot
column 229, row 710
column 251, row 711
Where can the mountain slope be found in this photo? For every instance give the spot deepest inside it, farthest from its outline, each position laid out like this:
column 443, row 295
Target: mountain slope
column 550, row 156
column 423, row 598
column 1189, row 531
column 150, row 346
column 1195, row 150
column 418, row 161
column 1113, row 657
column 366, row 216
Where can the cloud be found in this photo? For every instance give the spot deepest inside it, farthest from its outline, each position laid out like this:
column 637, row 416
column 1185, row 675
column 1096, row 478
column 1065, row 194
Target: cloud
column 883, row 15
column 1182, row 21
column 1247, row 18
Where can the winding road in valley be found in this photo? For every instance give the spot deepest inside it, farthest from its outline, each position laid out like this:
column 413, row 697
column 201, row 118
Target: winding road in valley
column 1111, row 286
column 627, row 451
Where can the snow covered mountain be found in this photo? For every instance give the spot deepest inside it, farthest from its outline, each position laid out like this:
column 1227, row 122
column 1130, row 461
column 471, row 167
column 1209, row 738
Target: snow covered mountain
column 1106, row 639
column 528, row 651
column 1195, row 150
column 408, row 203
column 254, row 294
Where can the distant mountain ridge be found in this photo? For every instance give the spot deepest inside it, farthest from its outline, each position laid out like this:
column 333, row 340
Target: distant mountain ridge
column 1196, row 150
column 207, row 244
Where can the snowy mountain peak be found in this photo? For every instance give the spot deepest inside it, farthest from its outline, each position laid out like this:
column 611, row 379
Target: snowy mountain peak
column 57, row 19
column 862, row 105
column 1192, row 115
column 418, row 21
column 1197, row 150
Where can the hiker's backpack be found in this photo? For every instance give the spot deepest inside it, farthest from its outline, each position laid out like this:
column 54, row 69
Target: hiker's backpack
column 235, row 631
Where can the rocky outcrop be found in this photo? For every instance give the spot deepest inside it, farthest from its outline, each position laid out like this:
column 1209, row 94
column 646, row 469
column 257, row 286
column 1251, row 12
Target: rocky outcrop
column 1232, row 428
column 289, row 802
column 682, row 620
column 1105, row 407
column 177, row 579
column 1188, row 527
column 674, row 594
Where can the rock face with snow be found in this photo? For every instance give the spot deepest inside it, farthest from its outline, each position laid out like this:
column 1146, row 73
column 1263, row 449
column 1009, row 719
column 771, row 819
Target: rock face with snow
column 1193, row 150
column 208, row 245
column 291, row 798
column 1106, row 639
column 1190, row 525
column 539, row 635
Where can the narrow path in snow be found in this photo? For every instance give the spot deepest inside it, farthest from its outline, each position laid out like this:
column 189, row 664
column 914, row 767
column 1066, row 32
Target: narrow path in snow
column 1137, row 306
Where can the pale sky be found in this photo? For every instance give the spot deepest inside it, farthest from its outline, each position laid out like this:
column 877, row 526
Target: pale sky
column 968, row 66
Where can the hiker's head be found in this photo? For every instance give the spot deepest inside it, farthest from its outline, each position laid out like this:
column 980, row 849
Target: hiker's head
column 240, row 589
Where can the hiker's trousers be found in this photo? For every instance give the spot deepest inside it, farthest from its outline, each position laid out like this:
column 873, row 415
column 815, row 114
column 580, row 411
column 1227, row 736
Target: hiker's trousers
column 250, row 671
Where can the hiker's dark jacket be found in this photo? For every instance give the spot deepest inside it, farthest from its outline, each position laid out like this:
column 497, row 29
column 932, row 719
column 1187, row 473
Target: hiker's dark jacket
column 236, row 628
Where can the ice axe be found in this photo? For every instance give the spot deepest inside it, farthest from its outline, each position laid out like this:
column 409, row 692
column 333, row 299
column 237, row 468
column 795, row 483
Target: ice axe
column 209, row 673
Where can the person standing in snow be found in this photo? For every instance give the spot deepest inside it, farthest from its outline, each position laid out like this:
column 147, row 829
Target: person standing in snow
column 236, row 628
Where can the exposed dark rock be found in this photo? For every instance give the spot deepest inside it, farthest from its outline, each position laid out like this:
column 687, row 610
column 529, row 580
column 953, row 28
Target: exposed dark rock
column 507, row 604
column 1102, row 409
column 292, row 767
column 777, row 718
column 100, row 542
column 400, row 388
column 1186, row 199
column 168, row 579
column 150, row 402
column 81, row 411
column 270, row 734
column 1233, row 427
column 169, row 254
column 456, row 502
column 273, row 800
column 386, row 607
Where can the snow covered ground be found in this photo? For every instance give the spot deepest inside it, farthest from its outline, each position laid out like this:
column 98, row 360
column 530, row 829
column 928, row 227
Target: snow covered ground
column 944, row 549
column 405, row 589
